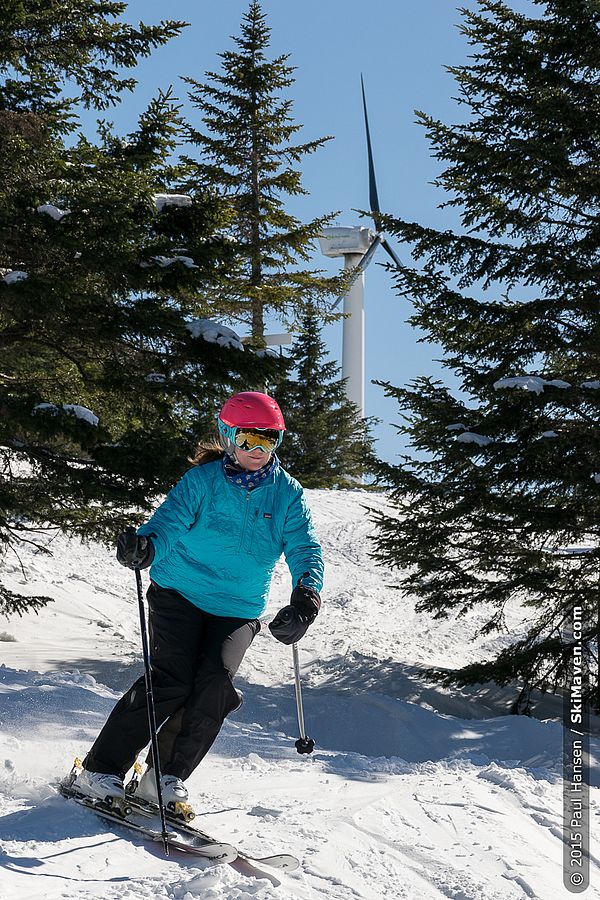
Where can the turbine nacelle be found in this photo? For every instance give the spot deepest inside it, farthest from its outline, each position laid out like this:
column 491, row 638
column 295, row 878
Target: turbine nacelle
column 345, row 240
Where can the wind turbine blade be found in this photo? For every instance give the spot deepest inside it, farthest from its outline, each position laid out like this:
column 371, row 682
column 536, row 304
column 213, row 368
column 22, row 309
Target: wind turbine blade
column 368, row 255
column 362, row 265
column 373, row 196
column 391, row 252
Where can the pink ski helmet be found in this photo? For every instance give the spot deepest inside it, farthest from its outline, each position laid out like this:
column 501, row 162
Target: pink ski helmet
column 251, row 409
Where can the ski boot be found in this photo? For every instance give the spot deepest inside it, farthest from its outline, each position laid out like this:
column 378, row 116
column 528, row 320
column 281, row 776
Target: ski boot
column 174, row 793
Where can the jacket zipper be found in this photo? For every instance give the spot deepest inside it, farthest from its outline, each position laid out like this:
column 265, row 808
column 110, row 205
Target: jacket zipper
column 245, row 519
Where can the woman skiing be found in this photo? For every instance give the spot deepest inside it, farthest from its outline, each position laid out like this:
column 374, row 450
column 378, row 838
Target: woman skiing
column 212, row 545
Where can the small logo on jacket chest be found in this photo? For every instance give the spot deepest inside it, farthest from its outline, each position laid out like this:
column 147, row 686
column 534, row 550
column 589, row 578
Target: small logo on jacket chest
column 267, row 515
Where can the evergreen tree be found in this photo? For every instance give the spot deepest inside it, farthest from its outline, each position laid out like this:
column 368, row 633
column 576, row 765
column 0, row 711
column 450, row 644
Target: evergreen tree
column 246, row 156
column 104, row 388
column 501, row 501
column 327, row 444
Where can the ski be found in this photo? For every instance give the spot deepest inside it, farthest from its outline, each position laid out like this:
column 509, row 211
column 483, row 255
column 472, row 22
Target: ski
column 123, row 814
column 284, row 861
column 133, row 814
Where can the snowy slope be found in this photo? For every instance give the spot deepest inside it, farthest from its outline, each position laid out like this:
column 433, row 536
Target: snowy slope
column 413, row 791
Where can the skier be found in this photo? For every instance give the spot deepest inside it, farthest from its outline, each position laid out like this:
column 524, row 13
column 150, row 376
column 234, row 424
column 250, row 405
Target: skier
column 212, row 545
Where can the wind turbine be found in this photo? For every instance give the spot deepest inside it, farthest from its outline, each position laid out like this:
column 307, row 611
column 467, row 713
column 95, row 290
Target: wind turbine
column 357, row 245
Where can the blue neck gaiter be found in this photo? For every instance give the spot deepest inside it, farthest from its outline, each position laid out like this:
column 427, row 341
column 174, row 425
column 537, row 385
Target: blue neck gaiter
column 249, row 480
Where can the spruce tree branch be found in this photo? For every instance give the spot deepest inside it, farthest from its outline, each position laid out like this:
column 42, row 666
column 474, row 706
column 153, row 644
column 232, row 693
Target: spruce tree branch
column 16, row 533
column 44, row 454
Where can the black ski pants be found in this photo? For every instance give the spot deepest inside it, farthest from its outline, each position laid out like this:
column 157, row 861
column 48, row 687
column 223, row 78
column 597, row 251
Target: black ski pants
column 194, row 656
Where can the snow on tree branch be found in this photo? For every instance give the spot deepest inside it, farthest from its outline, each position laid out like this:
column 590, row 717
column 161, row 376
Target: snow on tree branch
column 214, row 333
column 53, row 211
column 530, row 383
column 73, row 409
column 164, row 200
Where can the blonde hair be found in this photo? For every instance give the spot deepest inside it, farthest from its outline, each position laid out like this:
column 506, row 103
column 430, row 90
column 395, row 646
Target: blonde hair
column 206, row 452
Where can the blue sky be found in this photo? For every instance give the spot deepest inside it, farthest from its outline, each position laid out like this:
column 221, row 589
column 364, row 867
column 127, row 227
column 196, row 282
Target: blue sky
column 401, row 48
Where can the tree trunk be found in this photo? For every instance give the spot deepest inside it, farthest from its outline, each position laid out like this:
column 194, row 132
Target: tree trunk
column 258, row 324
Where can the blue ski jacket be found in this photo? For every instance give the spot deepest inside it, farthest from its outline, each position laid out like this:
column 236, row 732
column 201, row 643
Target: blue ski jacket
column 216, row 543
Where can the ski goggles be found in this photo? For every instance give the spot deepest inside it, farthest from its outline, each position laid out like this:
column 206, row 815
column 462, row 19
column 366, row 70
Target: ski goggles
column 267, row 439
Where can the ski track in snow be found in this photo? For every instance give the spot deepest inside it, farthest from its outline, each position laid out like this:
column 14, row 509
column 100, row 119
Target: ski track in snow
column 414, row 791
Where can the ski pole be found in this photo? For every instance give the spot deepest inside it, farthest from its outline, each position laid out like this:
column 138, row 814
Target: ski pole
column 304, row 744
column 151, row 710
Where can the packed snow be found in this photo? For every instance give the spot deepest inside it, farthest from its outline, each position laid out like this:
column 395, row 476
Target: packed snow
column 414, row 791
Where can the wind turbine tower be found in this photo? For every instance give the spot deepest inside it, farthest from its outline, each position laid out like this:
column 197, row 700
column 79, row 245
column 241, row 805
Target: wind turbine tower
column 352, row 243
column 357, row 245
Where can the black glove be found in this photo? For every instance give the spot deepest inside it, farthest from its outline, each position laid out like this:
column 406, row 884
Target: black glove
column 306, row 599
column 134, row 550
column 291, row 623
